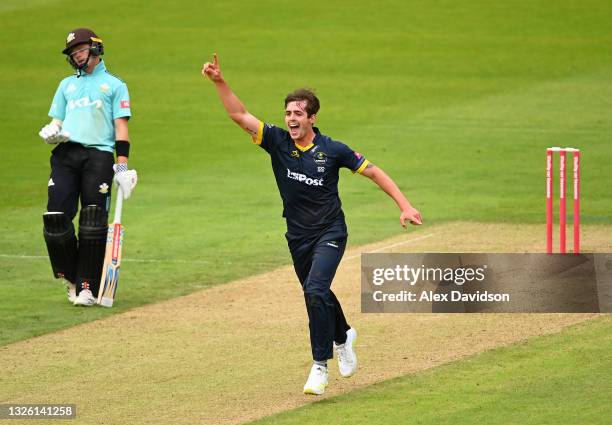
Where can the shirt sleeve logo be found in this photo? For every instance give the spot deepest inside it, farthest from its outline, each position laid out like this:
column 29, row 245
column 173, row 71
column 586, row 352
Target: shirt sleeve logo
column 125, row 104
column 358, row 155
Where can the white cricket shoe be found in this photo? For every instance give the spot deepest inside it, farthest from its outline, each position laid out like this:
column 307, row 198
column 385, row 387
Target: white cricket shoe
column 317, row 380
column 85, row 298
column 347, row 359
column 70, row 291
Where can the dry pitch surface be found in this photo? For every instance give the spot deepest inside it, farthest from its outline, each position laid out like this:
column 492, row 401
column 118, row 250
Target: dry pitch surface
column 240, row 351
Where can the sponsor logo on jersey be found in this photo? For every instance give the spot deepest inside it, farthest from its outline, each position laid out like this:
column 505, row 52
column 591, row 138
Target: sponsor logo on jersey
column 125, row 104
column 320, row 158
column 303, row 178
column 84, row 102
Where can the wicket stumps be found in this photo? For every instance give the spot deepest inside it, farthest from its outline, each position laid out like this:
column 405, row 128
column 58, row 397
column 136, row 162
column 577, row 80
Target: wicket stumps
column 562, row 199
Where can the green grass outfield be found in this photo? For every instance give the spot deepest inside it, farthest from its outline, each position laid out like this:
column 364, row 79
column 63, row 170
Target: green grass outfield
column 509, row 385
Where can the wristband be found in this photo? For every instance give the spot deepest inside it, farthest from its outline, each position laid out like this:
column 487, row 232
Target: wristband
column 122, row 148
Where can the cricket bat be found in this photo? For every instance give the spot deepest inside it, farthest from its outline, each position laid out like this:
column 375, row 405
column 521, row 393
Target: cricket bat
column 112, row 257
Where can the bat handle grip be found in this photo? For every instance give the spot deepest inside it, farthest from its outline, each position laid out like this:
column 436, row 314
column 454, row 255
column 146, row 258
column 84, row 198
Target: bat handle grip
column 118, row 205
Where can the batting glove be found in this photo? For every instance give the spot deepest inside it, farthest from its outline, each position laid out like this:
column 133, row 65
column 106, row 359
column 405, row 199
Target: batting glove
column 126, row 179
column 52, row 134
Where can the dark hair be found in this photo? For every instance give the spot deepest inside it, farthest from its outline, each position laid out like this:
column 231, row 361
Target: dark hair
column 312, row 102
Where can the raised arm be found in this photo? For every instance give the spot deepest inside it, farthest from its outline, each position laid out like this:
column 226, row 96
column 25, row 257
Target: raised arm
column 234, row 107
column 385, row 182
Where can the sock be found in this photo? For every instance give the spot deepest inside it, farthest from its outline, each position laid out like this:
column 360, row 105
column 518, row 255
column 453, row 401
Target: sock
column 323, row 363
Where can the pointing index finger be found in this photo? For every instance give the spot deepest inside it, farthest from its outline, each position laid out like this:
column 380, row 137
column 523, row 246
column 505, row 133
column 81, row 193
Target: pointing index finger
column 215, row 60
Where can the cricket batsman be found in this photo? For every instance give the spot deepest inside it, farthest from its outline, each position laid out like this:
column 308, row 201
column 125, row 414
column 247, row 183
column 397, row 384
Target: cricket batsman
column 306, row 166
column 89, row 122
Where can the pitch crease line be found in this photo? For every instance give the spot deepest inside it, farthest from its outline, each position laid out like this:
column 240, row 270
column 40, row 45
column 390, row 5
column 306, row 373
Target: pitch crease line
column 393, row 245
column 127, row 260
column 155, row 260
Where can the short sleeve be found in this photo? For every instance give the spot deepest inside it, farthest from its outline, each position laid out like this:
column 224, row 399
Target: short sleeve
column 121, row 102
column 269, row 136
column 350, row 159
column 58, row 106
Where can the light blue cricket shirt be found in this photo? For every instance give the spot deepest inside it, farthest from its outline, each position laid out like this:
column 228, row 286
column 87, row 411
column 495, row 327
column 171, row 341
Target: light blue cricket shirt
column 88, row 105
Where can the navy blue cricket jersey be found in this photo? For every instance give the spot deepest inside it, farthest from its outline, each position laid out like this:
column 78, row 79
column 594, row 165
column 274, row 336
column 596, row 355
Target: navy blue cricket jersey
column 307, row 178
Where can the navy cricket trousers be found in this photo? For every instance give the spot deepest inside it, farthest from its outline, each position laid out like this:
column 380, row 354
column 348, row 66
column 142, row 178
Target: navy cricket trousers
column 315, row 260
column 77, row 171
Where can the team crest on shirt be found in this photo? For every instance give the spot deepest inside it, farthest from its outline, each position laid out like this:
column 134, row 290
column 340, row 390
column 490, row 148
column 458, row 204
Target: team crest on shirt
column 104, row 88
column 71, row 88
column 103, row 188
column 320, row 158
column 295, row 154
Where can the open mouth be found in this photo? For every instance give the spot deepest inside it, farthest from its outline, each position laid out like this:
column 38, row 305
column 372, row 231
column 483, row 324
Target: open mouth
column 293, row 129
column 79, row 61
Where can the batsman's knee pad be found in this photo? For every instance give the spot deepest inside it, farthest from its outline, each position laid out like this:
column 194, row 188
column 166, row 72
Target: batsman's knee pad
column 61, row 243
column 93, row 226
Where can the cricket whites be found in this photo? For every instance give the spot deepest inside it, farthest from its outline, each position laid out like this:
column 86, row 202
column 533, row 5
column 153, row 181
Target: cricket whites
column 112, row 257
